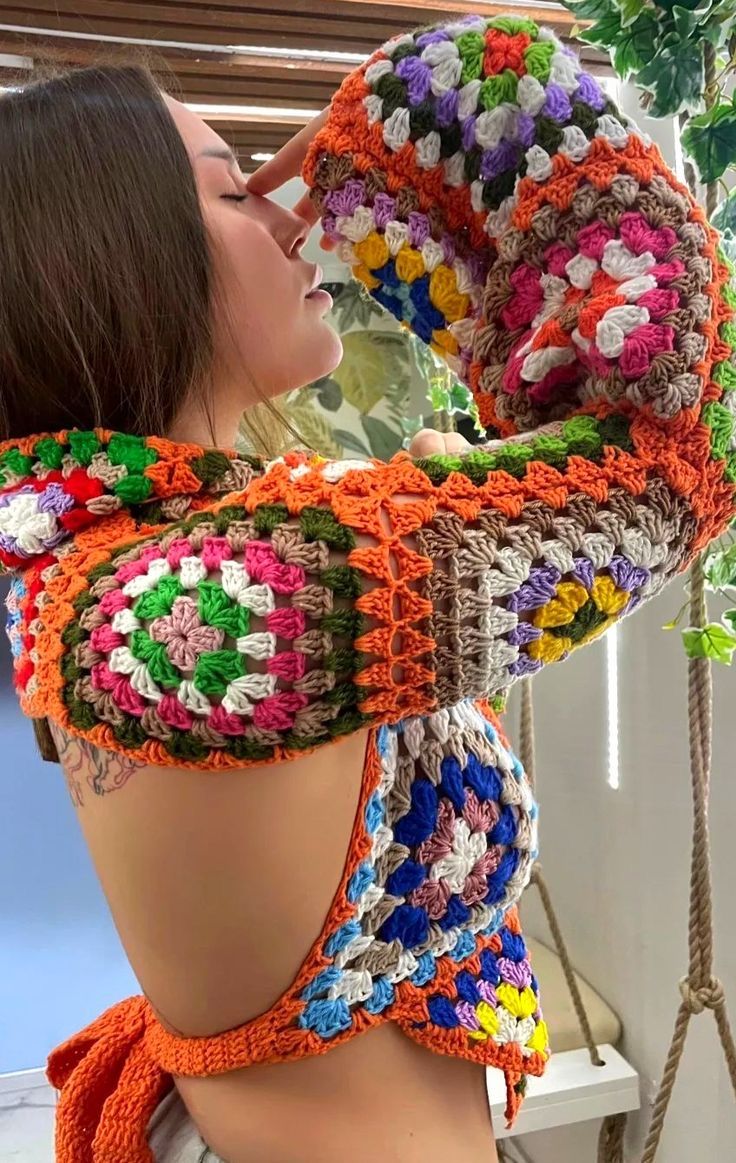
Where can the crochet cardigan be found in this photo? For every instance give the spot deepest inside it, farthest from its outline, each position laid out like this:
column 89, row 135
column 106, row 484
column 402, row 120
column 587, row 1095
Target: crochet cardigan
column 195, row 608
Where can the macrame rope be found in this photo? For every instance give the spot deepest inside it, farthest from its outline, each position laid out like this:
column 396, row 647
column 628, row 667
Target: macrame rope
column 700, row 989
column 527, row 751
column 611, row 1139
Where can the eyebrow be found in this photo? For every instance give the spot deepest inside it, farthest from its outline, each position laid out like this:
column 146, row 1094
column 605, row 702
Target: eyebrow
column 221, row 151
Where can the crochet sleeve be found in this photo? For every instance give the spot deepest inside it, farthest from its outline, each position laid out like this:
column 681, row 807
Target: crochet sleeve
column 328, row 596
column 486, row 191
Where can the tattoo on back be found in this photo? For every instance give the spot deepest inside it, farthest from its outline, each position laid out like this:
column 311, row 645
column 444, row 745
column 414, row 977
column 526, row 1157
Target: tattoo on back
column 87, row 768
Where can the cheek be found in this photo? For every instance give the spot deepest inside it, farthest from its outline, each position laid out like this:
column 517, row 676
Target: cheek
column 252, row 272
column 262, row 322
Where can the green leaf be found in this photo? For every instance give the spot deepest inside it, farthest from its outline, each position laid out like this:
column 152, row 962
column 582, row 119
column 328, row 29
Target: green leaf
column 669, row 5
column 728, row 245
column 398, row 394
column 393, row 339
column 717, row 33
column 398, row 391
column 629, row 10
column 668, row 38
column 354, row 306
column 591, row 9
column 710, row 139
column 730, row 616
column 635, row 45
column 383, row 440
column 720, row 568
column 312, row 425
column 712, row 641
column 675, row 80
column 605, row 31
column 688, row 20
column 439, row 397
column 350, row 442
column 461, row 398
column 371, row 359
column 396, row 351
column 725, row 215
column 328, row 393
column 410, row 425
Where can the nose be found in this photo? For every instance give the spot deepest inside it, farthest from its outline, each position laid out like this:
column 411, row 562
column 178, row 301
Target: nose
column 287, row 228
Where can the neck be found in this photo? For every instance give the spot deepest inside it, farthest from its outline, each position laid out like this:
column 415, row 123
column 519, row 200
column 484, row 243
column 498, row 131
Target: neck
column 214, row 420
column 196, row 424
column 211, row 416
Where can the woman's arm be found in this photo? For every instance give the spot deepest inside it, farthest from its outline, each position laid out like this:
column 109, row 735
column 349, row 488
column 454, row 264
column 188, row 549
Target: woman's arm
column 489, row 194
column 331, row 595
column 489, row 565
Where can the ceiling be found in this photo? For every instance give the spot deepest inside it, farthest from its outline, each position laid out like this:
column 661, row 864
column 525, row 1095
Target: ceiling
column 266, row 59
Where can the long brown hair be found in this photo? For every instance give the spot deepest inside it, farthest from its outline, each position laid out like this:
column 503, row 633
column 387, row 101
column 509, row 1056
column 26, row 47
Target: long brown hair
column 105, row 275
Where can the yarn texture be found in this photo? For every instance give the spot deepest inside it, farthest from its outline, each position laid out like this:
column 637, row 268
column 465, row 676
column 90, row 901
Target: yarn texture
column 192, row 608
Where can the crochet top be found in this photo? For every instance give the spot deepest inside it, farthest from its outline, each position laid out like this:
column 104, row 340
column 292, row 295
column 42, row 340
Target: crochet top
column 195, row 608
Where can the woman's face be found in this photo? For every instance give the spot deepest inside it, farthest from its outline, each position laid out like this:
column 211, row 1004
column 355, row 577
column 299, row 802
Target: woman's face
column 269, row 327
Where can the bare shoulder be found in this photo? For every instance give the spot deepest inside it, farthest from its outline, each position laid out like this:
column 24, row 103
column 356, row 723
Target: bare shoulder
column 89, row 770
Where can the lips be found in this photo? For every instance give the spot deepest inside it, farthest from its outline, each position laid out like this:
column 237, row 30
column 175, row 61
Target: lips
column 316, row 279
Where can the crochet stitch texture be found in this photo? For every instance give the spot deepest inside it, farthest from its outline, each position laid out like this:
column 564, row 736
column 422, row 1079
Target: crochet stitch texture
column 193, row 608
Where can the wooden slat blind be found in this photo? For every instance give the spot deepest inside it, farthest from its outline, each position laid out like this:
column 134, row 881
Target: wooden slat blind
column 201, row 38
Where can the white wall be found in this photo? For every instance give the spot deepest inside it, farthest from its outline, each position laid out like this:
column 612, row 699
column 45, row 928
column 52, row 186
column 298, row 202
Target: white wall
column 617, row 863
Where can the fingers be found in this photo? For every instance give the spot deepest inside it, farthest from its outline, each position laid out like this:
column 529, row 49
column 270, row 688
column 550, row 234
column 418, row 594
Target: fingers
column 455, row 444
column 288, row 161
column 287, row 164
column 306, row 209
column 428, row 442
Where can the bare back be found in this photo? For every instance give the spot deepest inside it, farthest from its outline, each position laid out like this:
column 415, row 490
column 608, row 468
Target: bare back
column 219, row 884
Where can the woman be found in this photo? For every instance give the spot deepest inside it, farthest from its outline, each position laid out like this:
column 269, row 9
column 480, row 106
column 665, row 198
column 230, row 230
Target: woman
column 196, row 627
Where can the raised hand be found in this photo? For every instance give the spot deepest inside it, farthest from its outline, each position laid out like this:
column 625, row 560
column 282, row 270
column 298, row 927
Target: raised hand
column 287, row 164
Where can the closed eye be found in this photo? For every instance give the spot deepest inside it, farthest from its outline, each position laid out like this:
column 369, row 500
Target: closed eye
column 234, row 197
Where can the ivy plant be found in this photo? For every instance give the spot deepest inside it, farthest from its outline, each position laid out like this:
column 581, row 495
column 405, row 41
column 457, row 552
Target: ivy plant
column 681, row 55
column 663, row 48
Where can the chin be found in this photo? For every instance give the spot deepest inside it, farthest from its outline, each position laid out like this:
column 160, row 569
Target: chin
column 323, row 359
column 315, row 357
